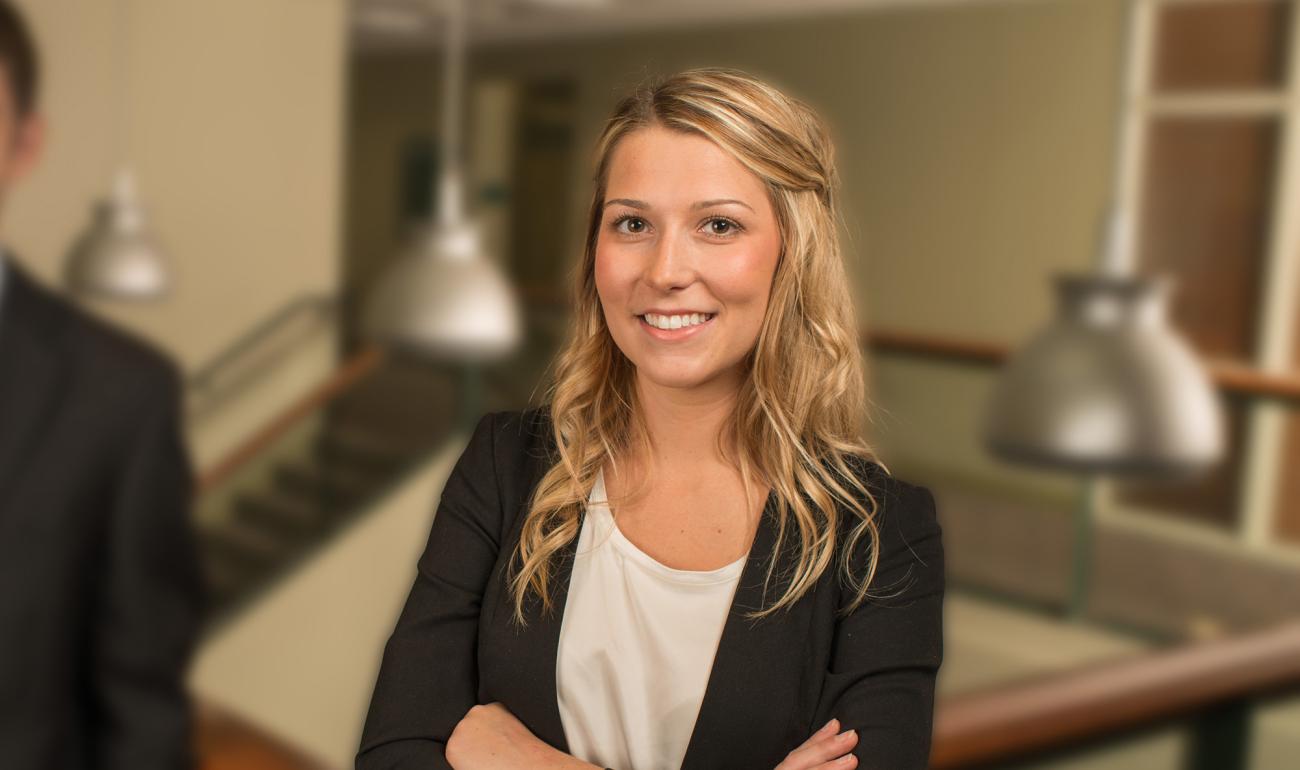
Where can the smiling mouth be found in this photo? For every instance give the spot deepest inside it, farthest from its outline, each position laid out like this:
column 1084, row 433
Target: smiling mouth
column 675, row 322
column 660, row 327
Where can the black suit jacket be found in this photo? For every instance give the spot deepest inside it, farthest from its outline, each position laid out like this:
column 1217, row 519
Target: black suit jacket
column 773, row 683
column 99, row 585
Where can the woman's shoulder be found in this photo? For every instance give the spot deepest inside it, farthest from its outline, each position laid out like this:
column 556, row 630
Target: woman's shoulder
column 516, row 436
column 905, row 511
column 880, row 481
column 521, row 426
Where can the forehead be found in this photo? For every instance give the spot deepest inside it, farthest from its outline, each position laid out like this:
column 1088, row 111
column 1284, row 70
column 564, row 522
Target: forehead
column 666, row 167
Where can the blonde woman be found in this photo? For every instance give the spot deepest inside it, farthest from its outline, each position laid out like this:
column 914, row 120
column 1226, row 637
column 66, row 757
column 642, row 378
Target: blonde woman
column 688, row 556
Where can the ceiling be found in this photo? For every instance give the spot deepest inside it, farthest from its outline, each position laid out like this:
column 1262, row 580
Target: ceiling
column 402, row 24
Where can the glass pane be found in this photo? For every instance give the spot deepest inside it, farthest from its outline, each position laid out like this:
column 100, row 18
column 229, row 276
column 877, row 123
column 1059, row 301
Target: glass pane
column 1205, row 215
column 1221, row 45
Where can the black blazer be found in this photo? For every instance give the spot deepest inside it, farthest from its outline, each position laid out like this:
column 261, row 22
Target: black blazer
column 99, row 585
column 773, row 682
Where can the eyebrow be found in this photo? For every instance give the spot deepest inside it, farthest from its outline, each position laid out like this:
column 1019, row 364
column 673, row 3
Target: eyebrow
column 636, row 204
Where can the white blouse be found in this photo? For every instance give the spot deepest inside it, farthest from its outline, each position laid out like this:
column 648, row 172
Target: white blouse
column 637, row 643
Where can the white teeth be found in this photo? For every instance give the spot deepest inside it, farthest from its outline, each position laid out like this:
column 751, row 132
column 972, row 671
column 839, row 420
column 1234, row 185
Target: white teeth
column 676, row 321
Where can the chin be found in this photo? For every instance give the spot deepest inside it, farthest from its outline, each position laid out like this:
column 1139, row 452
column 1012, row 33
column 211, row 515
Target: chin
column 677, row 377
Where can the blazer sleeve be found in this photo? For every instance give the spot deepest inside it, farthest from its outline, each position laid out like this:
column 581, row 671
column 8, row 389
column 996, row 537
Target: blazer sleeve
column 887, row 653
column 428, row 677
column 150, row 595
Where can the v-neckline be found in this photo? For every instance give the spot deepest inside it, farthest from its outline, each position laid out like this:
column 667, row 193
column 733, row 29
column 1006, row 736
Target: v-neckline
column 605, row 512
column 732, row 680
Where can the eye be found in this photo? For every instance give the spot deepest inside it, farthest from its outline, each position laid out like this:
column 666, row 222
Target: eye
column 723, row 226
column 636, row 224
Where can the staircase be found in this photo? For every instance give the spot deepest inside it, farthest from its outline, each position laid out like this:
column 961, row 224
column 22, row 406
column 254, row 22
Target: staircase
column 303, row 479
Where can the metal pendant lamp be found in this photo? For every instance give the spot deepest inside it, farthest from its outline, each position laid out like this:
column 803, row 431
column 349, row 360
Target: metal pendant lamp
column 1109, row 386
column 444, row 297
column 116, row 257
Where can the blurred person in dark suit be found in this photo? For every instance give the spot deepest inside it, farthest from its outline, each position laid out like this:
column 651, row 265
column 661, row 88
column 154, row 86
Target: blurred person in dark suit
column 100, row 594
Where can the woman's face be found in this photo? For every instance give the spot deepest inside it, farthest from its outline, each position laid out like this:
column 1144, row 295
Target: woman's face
column 688, row 241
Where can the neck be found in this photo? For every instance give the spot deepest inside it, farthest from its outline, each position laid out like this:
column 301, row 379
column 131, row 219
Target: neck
column 684, row 423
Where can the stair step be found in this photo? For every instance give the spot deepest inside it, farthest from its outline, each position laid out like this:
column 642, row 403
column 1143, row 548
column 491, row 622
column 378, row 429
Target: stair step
column 363, row 450
column 335, row 484
column 289, row 520
column 227, row 581
column 249, row 546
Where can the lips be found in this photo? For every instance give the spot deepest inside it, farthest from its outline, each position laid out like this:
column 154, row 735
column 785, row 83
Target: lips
column 682, row 333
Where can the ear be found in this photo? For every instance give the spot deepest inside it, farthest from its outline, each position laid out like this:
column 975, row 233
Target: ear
column 29, row 144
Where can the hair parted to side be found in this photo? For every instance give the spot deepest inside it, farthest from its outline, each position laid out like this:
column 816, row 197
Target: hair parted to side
column 801, row 413
column 19, row 61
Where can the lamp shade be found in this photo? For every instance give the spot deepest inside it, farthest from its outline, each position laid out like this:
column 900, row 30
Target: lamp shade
column 1107, row 387
column 116, row 257
column 444, row 298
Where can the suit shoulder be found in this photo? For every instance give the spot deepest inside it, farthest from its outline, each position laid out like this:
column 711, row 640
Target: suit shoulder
column 105, row 353
column 128, row 356
column 888, row 489
column 523, row 430
column 904, row 511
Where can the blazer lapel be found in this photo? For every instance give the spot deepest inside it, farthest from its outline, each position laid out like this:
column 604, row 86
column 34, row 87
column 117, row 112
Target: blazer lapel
column 31, row 378
column 550, row 725
column 748, row 703
column 535, row 648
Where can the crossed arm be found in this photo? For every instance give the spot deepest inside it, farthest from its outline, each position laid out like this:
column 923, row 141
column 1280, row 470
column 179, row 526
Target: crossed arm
column 878, row 694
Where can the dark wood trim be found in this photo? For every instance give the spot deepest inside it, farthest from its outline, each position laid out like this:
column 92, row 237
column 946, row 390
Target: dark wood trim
column 1232, row 377
column 227, row 742
column 941, row 347
column 345, row 377
column 1079, row 705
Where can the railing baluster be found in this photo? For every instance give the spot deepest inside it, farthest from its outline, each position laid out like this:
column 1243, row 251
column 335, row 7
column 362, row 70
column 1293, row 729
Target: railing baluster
column 1220, row 738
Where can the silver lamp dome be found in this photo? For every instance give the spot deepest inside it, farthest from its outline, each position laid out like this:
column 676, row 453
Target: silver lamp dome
column 1108, row 387
column 116, row 257
column 444, row 298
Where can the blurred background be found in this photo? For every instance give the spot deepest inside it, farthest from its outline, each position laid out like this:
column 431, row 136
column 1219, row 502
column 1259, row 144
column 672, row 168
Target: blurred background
column 288, row 154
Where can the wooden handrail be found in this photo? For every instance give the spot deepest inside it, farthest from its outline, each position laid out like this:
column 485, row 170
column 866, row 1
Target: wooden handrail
column 341, row 380
column 1229, row 376
column 1087, row 703
column 935, row 346
column 227, row 742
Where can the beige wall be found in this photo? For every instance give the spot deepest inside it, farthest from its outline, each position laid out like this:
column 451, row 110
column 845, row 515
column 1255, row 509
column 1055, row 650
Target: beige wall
column 234, row 122
column 974, row 143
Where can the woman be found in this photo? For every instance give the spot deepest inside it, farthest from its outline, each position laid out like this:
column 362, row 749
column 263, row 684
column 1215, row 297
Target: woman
column 688, row 556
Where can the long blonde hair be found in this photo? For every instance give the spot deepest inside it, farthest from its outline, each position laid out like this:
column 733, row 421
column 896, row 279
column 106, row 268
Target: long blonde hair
column 800, row 416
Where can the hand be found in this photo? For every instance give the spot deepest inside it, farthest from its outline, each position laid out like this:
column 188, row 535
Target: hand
column 824, row 750
column 489, row 737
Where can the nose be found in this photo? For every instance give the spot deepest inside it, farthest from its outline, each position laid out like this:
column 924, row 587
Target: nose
column 671, row 264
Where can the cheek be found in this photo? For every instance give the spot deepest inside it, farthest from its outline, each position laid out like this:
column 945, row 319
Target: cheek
column 600, row 269
column 744, row 278
column 611, row 283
